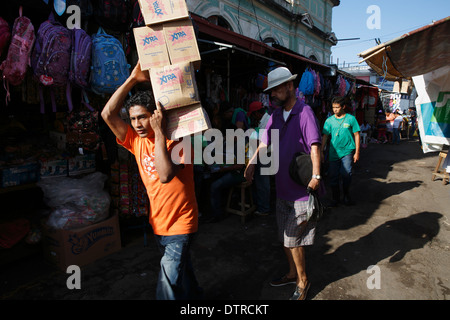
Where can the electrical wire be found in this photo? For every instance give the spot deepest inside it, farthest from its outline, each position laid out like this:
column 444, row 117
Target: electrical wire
column 257, row 22
column 239, row 17
column 384, row 36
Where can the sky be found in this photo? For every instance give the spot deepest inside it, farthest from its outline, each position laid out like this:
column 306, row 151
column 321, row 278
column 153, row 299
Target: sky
column 359, row 19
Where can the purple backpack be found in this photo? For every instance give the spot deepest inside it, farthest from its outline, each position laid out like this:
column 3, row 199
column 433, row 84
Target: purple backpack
column 15, row 66
column 51, row 56
column 80, row 64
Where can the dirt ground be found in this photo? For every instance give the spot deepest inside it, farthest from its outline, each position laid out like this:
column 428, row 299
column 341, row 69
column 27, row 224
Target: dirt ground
column 400, row 224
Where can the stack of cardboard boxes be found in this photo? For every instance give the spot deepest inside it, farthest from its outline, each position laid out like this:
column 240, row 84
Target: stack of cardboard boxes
column 167, row 48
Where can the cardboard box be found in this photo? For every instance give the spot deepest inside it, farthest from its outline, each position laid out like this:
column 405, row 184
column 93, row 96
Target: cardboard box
column 182, row 43
column 19, row 174
column 166, row 44
column 82, row 164
column 187, row 120
column 174, row 86
column 83, row 245
column 51, row 168
column 151, row 47
column 158, row 11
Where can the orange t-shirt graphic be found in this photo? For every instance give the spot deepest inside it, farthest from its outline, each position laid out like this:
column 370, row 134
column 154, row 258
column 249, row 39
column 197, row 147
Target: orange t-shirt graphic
column 173, row 206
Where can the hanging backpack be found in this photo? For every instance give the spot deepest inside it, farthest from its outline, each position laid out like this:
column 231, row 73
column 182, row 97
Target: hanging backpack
column 80, row 60
column 109, row 68
column 5, row 34
column 51, row 57
column 112, row 14
column 317, row 86
column 307, row 83
column 14, row 68
column 80, row 64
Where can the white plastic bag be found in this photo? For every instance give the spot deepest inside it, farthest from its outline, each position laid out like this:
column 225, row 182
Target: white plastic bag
column 76, row 202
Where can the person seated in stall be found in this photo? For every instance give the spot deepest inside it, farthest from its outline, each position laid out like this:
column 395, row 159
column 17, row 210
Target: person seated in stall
column 240, row 119
column 261, row 183
column 221, row 115
column 366, row 131
column 225, row 175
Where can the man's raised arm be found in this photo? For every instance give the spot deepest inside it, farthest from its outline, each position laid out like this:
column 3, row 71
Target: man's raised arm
column 111, row 111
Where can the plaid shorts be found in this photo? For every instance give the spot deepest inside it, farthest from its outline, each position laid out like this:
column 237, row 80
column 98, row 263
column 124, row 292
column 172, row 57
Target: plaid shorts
column 293, row 228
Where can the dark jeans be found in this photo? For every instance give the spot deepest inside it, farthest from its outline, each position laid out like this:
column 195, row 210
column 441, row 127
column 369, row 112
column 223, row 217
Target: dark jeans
column 396, row 136
column 261, row 190
column 341, row 168
column 176, row 280
column 219, row 188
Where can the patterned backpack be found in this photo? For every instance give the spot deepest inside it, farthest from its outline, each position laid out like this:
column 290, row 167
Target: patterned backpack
column 15, row 66
column 109, row 68
column 51, row 56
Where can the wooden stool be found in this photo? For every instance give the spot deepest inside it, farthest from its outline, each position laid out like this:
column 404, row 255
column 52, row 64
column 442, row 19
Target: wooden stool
column 438, row 172
column 246, row 204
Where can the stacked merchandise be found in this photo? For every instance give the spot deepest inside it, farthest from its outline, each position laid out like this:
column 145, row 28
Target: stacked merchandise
column 128, row 194
column 48, row 62
column 167, row 47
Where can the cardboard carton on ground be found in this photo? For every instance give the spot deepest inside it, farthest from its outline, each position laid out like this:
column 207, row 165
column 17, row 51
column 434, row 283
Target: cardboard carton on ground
column 186, row 120
column 83, row 245
column 181, row 42
column 158, row 11
column 174, row 86
column 151, row 47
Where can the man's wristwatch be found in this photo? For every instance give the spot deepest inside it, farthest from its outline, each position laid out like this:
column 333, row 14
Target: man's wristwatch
column 316, row 176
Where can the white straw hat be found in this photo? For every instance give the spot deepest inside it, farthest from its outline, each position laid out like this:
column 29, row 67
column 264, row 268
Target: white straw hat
column 279, row 76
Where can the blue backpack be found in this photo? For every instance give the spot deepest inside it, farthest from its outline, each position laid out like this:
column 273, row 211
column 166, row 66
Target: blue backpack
column 307, row 83
column 109, row 68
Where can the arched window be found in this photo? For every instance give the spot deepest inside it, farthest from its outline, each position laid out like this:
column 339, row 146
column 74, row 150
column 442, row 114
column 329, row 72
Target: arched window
column 270, row 41
column 313, row 58
column 220, row 21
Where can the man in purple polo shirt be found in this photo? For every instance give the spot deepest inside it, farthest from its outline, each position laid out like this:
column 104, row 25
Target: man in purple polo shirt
column 298, row 131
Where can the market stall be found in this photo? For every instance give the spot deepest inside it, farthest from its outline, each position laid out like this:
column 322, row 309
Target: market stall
column 422, row 55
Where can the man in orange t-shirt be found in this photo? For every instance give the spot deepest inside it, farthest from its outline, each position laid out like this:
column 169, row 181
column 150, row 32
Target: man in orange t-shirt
column 170, row 186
